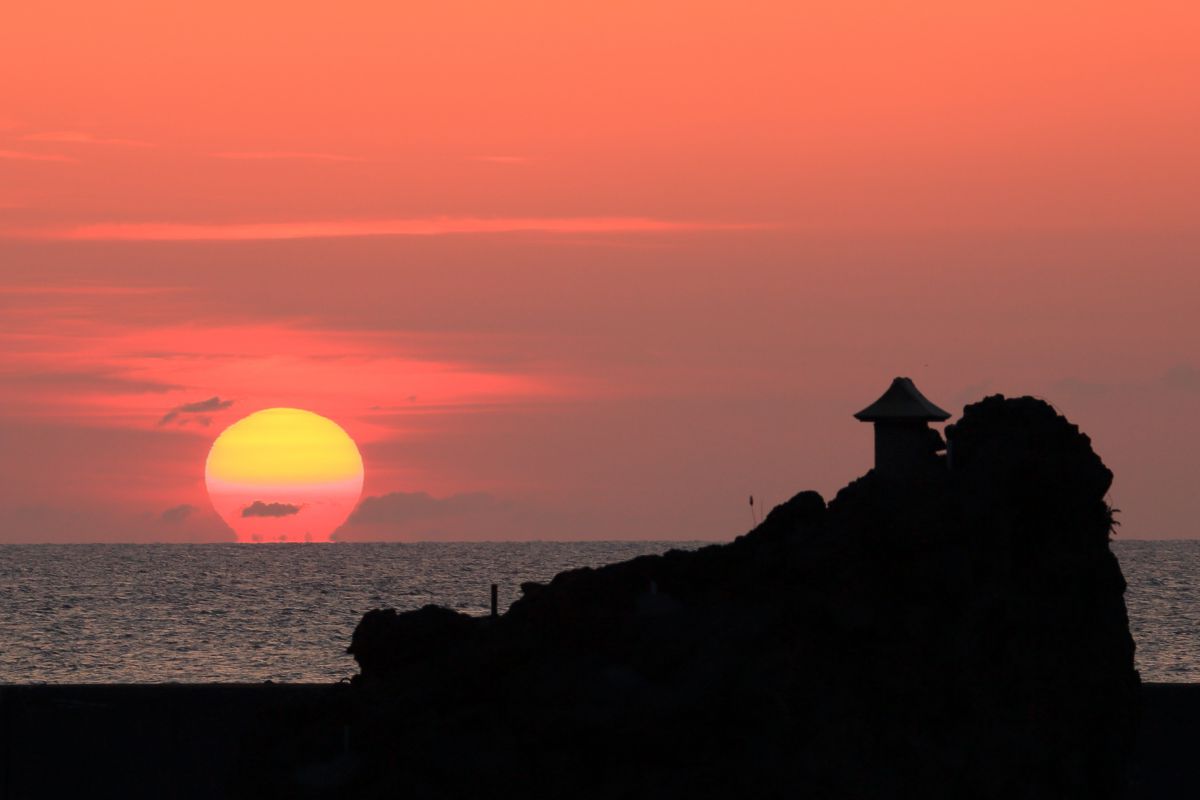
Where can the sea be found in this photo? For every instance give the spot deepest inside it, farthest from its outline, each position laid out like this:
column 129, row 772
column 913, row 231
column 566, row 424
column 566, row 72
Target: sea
column 155, row 613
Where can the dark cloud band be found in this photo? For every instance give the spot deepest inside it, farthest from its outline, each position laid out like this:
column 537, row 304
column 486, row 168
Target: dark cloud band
column 177, row 514
column 213, row 403
column 399, row 507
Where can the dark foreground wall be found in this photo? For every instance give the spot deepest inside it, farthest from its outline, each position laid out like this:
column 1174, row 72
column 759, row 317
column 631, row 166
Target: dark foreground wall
column 170, row 740
column 195, row 741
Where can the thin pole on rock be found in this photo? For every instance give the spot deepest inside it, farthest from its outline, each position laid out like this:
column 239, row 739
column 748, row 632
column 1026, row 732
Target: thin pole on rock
column 495, row 601
column 753, row 520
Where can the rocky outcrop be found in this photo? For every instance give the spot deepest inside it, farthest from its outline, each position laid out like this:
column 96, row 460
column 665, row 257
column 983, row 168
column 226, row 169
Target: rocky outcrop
column 960, row 633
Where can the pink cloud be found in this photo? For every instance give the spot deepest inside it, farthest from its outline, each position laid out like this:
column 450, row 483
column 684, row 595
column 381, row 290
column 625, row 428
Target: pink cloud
column 427, row 226
column 20, row 155
column 128, row 375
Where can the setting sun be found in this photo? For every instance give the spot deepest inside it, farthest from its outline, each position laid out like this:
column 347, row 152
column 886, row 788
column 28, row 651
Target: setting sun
column 284, row 475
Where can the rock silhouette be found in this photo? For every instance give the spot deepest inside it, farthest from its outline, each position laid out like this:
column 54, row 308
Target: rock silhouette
column 957, row 632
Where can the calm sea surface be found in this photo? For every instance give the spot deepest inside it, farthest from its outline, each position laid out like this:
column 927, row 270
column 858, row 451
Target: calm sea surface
column 152, row 613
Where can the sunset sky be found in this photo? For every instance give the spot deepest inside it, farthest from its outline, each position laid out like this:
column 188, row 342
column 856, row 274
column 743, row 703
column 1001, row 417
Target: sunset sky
column 586, row 269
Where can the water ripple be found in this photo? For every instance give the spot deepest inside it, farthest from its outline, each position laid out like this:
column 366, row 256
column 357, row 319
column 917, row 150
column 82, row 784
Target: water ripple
column 155, row 613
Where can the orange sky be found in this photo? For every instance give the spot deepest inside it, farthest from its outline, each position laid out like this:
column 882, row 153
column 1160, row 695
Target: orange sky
column 584, row 269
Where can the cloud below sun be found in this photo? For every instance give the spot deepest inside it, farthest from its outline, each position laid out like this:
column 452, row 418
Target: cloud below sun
column 260, row 509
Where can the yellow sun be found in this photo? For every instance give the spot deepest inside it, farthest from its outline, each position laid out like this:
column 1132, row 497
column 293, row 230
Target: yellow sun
column 284, row 474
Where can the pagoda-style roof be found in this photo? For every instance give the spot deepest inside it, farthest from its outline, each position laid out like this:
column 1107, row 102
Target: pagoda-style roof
column 902, row 401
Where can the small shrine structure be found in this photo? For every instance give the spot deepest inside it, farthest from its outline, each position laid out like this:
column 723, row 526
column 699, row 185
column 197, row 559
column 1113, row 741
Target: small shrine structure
column 904, row 442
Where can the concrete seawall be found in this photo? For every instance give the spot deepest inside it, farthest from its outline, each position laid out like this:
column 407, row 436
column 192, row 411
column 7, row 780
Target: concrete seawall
column 156, row 740
column 198, row 740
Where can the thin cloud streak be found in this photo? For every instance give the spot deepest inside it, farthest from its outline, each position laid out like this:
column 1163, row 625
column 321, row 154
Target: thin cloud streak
column 79, row 137
column 503, row 159
column 285, row 156
column 21, row 155
column 429, row 226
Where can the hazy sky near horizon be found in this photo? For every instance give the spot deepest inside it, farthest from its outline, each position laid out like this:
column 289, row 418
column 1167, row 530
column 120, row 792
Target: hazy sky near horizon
column 585, row 270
